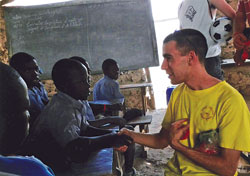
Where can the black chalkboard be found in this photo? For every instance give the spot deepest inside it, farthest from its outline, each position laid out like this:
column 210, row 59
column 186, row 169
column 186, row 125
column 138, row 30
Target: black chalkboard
column 93, row 29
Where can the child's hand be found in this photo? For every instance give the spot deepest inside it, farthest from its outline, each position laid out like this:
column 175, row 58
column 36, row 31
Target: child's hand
column 121, row 140
column 122, row 148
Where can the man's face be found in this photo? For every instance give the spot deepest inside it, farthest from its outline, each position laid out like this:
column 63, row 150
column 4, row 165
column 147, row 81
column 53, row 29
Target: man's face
column 31, row 73
column 113, row 71
column 79, row 84
column 175, row 65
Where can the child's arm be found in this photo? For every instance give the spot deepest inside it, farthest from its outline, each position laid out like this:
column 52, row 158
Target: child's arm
column 80, row 148
column 108, row 120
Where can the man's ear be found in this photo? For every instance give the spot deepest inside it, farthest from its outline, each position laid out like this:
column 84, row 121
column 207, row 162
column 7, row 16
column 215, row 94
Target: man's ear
column 192, row 57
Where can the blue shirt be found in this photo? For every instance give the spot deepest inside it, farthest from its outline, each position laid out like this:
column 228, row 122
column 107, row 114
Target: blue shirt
column 88, row 111
column 38, row 99
column 108, row 89
column 24, row 166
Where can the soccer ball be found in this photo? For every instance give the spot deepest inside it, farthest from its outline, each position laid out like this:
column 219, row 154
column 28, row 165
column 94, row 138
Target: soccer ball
column 221, row 30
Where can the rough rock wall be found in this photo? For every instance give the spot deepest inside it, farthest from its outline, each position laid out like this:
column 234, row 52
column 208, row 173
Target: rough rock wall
column 239, row 77
column 3, row 49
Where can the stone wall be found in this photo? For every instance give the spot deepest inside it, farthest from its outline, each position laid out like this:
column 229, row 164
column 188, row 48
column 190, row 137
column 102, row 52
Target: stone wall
column 3, row 49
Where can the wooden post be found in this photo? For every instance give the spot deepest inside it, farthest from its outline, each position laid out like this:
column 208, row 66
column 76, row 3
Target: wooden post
column 151, row 91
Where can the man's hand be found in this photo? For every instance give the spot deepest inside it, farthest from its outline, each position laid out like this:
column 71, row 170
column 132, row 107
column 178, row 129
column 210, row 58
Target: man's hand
column 239, row 40
column 177, row 131
column 125, row 131
column 121, row 140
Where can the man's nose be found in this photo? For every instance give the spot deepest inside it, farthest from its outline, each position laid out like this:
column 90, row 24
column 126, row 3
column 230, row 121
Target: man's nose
column 164, row 65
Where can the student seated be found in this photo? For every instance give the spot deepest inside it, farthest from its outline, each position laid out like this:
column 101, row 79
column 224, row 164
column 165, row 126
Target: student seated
column 26, row 65
column 14, row 117
column 108, row 122
column 61, row 134
column 108, row 88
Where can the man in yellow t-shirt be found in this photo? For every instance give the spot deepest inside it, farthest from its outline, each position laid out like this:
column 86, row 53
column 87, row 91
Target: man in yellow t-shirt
column 207, row 121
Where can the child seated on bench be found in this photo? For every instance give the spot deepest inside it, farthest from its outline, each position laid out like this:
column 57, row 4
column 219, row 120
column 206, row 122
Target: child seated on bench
column 108, row 88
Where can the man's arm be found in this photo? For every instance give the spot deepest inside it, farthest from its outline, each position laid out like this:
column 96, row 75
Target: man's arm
column 225, row 163
column 224, row 7
column 79, row 149
column 157, row 140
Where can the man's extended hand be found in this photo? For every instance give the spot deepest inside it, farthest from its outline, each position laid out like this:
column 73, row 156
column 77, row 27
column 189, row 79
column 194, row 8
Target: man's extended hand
column 125, row 131
column 177, row 131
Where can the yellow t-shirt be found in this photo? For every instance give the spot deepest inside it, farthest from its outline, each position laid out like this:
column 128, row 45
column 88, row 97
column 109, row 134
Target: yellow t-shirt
column 218, row 107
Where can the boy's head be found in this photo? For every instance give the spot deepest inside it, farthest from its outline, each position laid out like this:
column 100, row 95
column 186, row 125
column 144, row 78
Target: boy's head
column 111, row 69
column 27, row 67
column 14, row 115
column 71, row 77
column 85, row 63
